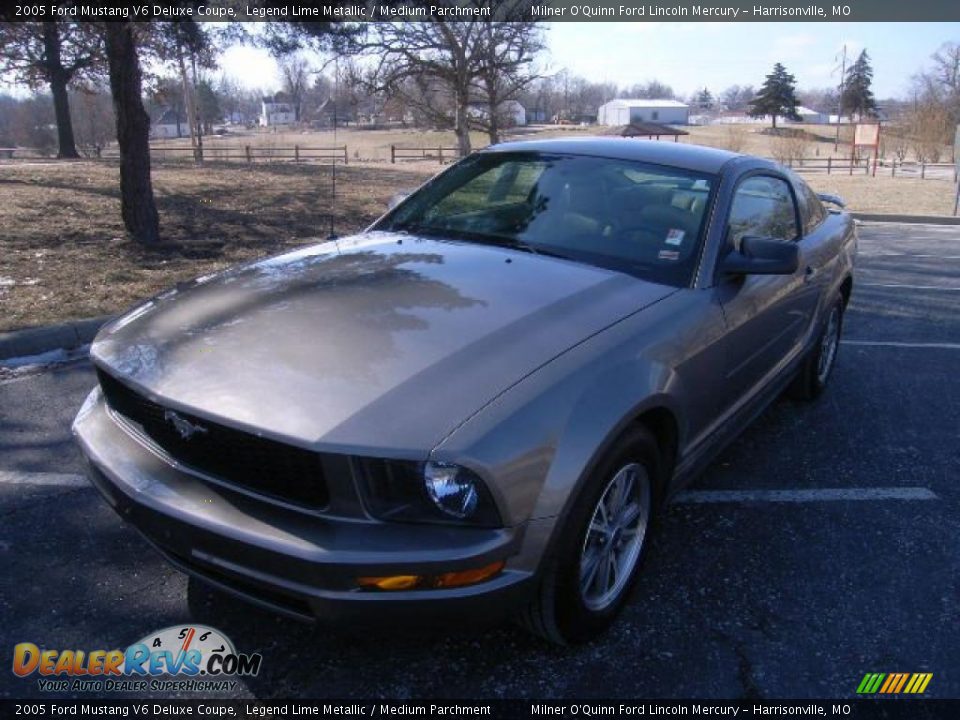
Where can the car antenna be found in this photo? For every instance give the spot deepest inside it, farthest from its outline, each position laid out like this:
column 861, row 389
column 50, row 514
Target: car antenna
column 333, row 167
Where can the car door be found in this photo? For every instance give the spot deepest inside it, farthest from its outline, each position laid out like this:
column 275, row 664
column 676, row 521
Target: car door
column 767, row 316
column 821, row 242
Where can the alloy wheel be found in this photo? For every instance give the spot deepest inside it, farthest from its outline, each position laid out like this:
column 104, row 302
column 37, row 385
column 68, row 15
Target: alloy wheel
column 828, row 345
column 615, row 537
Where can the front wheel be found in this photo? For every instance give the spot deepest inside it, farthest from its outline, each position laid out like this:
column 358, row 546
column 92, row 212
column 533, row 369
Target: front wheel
column 588, row 579
column 818, row 365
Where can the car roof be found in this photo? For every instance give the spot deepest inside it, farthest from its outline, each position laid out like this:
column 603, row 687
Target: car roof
column 686, row 156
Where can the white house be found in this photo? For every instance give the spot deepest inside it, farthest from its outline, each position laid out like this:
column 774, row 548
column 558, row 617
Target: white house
column 170, row 124
column 624, row 111
column 511, row 111
column 277, row 110
column 812, row 117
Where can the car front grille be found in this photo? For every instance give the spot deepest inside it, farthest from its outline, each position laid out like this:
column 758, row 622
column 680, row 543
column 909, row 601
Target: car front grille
column 235, row 457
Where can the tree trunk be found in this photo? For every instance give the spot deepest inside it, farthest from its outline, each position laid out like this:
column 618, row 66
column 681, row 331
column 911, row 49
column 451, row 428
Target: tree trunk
column 461, row 126
column 133, row 134
column 58, row 88
column 188, row 101
column 493, row 107
column 774, row 122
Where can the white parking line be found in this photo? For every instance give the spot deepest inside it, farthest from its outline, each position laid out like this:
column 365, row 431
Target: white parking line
column 909, row 255
column 883, row 343
column 911, row 287
column 13, row 477
column 804, row 496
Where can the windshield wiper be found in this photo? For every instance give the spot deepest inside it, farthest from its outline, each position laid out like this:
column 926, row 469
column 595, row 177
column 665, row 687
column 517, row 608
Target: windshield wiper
column 481, row 238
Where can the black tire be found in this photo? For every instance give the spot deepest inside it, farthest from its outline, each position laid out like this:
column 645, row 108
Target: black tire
column 811, row 379
column 559, row 613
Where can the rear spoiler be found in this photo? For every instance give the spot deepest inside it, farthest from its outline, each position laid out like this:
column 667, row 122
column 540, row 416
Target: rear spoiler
column 832, row 199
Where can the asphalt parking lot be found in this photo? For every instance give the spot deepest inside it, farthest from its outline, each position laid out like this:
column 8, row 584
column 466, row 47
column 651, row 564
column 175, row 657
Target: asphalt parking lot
column 749, row 591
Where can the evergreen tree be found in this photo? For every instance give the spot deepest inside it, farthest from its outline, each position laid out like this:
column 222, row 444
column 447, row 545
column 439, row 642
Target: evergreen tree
column 857, row 98
column 777, row 96
column 704, row 99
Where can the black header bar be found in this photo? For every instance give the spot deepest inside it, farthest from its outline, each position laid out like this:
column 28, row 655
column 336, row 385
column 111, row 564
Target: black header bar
column 734, row 11
column 912, row 709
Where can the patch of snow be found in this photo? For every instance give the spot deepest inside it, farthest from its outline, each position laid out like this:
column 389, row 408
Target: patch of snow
column 28, row 363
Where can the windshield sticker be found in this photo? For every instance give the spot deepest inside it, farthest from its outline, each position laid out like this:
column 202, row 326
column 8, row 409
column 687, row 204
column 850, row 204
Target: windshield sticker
column 669, row 255
column 674, row 236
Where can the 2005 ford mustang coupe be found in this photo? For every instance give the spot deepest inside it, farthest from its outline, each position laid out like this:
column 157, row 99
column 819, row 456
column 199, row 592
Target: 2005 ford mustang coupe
column 481, row 401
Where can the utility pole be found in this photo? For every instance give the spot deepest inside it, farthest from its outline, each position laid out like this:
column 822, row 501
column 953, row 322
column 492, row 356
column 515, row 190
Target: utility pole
column 843, row 78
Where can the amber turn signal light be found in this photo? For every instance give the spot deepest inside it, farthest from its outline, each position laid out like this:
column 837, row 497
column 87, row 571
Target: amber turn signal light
column 425, row 582
column 469, row 577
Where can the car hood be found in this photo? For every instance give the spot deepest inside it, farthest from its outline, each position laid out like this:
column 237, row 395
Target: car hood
column 378, row 343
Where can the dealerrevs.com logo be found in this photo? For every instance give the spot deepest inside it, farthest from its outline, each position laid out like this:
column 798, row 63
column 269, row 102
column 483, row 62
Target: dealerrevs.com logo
column 187, row 658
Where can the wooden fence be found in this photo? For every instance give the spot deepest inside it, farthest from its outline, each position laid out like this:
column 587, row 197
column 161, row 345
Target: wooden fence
column 250, row 154
column 843, row 166
column 922, row 170
column 831, row 165
column 441, row 154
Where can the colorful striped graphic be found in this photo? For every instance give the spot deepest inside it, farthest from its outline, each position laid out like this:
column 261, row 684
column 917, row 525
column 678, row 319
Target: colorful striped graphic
column 894, row 683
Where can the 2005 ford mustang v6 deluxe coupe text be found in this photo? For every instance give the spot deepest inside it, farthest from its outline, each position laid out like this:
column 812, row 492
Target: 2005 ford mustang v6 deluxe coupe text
column 481, row 401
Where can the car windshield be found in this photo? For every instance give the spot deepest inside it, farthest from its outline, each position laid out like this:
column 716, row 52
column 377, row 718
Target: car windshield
column 646, row 220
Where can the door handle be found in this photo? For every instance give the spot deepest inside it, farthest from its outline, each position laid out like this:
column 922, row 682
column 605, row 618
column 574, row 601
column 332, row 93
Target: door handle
column 809, row 273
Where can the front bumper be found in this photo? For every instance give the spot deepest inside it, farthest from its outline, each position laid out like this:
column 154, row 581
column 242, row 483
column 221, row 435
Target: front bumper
column 296, row 563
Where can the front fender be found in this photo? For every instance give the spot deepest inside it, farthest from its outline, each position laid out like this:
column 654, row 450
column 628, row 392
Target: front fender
column 537, row 442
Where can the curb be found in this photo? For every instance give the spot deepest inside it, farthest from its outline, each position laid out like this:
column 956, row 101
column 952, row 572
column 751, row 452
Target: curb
column 34, row 341
column 907, row 219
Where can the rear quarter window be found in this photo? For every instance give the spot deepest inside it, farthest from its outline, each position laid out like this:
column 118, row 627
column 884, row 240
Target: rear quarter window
column 812, row 212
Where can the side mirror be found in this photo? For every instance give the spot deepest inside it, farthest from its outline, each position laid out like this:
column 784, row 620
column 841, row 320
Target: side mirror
column 832, row 199
column 762, row 256
column 398, row 198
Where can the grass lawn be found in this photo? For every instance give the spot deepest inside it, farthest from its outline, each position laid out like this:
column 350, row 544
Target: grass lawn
column 64, row 254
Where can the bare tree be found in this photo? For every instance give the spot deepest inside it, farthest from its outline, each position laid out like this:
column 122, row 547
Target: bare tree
column 465, row 61
column 295, row 71
column 941, row 83
column 422, row 58
column 189, row 46
column 28, row 122
column 93, row 122
column 822, row 99
column 652, row 89
column 896, row 140
column 737, row 97
column 929, row 126
column 51, row 53
column 507, row 52
column 8, row 107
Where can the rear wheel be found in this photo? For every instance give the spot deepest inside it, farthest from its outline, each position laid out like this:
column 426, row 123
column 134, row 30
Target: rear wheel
column 818, row 365
column 588, row 579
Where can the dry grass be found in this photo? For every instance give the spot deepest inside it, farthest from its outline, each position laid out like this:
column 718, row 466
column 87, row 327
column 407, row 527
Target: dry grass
column 757, row 140
column 366, row 145
column 884, row 194
column 64, row 254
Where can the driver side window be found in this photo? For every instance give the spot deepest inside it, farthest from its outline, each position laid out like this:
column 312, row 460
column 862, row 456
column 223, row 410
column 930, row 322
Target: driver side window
column 762, row 207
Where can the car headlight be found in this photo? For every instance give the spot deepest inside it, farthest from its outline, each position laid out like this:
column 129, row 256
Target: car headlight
column 453, row 489
column 426, row 492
